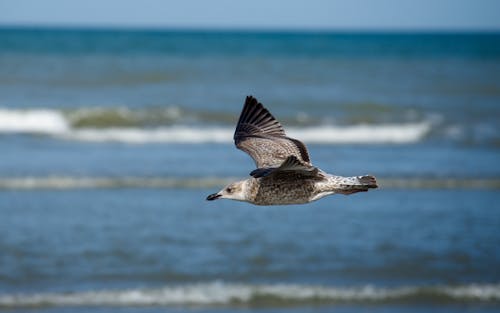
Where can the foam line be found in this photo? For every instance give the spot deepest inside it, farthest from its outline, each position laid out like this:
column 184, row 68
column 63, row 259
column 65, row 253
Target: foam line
column 42, row 121
column 55, row 123
column 227, row 294
column 359, row 134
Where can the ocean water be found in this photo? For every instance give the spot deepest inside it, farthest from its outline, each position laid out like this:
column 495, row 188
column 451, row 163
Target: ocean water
column 111, row 140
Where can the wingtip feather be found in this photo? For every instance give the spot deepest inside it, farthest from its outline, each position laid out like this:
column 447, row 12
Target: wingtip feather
column 254, row 114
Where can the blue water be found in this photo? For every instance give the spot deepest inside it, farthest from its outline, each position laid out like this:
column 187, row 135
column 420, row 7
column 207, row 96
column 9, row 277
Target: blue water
column 111, row 140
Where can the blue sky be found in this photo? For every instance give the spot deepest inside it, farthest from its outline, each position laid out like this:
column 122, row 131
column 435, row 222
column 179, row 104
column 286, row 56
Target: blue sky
column 258, row 14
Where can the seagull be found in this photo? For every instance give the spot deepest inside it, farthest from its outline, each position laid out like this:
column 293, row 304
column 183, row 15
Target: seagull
column 284, row 174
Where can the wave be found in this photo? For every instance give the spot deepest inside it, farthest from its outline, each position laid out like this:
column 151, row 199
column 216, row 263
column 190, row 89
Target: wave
column 372, row 134
column 68, row 182
column 118, row 126
column 33, row 121
column 110, row 117
column 99, row 117
column 228, row 294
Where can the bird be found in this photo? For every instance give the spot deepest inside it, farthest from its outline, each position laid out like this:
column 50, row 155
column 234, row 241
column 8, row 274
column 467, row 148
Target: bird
column 284, row 173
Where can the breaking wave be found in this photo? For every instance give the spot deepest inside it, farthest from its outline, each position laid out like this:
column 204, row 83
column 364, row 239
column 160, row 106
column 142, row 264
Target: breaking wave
column 32, row 121
column 404, row 133
column 68, row 182
column 132, row 127
column 228, row 294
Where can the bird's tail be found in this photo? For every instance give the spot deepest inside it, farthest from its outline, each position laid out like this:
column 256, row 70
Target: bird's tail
column 350, row 185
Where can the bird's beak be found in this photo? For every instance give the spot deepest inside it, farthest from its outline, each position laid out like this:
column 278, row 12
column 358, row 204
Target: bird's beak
column 214, row 196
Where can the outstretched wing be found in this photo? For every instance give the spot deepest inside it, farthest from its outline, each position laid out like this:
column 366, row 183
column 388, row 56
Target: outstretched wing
column 260, row 135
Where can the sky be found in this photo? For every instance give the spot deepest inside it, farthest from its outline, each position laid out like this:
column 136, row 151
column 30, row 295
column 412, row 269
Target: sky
column 257, row 14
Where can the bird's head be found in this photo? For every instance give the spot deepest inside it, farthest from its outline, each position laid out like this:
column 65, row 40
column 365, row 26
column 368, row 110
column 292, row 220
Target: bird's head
column 233, row 191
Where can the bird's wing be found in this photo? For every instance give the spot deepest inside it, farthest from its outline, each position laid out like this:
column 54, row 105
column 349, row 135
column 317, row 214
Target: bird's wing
column 260, row 135
column 291, row 166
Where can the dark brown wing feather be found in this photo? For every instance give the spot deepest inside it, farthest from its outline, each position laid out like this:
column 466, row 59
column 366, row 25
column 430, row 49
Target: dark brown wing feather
column 260, row 135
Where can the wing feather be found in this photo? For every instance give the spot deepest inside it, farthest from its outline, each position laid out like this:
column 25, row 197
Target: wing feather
column 260, row 135
column 291, row 166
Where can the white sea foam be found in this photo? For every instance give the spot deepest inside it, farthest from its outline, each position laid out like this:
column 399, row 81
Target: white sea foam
column 55, row 123
column 379, row 133
column 32, row 121
column 217, row 293
column 371, row 134
column 175, row 134
column 474, row 291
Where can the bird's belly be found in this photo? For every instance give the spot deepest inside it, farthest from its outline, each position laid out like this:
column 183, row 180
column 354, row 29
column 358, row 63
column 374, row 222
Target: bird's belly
column 284, row 192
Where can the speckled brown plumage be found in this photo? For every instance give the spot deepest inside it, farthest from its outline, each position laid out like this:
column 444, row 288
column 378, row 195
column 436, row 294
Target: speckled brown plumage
column 284, row 174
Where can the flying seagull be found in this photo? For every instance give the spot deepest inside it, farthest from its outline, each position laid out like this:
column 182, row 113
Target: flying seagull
column 284, row 173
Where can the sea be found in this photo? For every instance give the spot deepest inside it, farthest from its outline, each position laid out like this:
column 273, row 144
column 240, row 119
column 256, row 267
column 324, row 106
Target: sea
column 111, row 139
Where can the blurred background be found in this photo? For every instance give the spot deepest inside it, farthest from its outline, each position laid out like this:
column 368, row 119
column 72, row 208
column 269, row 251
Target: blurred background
column 116, row 121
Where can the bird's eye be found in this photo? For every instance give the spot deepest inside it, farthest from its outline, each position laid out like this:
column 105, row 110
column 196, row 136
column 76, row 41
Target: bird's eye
column 229, row 190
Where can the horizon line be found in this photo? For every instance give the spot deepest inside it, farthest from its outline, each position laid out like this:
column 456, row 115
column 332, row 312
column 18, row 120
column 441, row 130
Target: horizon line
column 243, row 29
